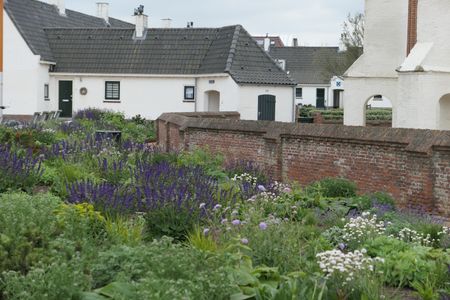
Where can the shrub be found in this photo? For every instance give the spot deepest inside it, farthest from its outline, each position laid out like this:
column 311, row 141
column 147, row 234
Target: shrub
column 335, row 187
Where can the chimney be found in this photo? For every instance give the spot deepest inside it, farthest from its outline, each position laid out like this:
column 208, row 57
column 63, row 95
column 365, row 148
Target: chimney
column 167, row 23
column 412, row 25
column 141, row 22
column 267, row 43
column 60, row 5
column 103, row 11
column 295, row 42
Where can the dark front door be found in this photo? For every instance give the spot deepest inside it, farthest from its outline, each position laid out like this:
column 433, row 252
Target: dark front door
column 336, row 98
column 266, row 107
column 320, row 99
column 65, row 98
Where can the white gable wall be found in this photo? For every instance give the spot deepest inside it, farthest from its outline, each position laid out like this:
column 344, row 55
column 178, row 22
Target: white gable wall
column 24, row 76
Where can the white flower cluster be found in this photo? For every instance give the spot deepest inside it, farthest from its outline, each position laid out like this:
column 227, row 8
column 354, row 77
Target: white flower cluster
column 265, row 197
column 245, row 177
column 347, row 265
column 412, row 236
column 360, row 227
column 445, row 231
column 281, row 187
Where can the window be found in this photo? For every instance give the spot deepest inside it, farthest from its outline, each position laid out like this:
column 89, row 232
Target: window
column 46, row 92
column 299, row 93
column 189, row 93
column 112, row 90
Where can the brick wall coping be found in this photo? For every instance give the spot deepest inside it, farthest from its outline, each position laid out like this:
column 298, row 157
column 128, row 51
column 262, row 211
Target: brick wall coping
column 414, row 140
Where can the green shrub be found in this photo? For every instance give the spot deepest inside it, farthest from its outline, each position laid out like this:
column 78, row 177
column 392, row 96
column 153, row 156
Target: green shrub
column 335, row 187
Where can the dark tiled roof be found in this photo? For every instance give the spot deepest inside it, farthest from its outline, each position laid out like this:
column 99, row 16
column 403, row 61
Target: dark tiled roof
column 32, row 16
column 165, row 51
column 308, row 65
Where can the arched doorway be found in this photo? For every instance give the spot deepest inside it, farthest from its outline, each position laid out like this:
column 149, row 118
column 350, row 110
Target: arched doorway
column 444, row 112
column 212, row 101
column 378, row 111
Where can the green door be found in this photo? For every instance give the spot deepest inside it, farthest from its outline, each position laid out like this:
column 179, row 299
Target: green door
column 65, row 98
column 320, row 99
column 266, row 107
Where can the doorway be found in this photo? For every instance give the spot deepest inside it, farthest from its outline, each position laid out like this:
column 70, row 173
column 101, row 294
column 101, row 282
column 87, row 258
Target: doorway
column 65, row 98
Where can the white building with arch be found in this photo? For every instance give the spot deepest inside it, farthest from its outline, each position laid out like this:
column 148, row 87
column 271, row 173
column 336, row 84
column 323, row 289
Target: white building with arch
column 406, row 60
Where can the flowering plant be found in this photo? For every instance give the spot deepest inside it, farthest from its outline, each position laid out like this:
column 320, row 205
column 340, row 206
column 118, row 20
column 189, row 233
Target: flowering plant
column 360, row 228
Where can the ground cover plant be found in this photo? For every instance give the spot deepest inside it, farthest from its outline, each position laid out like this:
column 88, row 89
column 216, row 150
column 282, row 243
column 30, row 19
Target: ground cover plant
column 87, row 217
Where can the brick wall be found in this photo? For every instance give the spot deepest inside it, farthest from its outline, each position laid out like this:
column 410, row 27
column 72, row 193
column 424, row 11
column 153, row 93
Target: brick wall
column 411, row 165
column 412, row 25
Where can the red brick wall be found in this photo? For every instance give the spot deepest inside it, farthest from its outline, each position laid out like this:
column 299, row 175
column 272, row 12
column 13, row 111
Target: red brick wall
column 412, row 25
column 411, row 165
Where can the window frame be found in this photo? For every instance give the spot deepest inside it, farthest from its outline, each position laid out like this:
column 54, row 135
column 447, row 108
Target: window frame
column 324, row 94
column 301, row 93
column 189, row 99
column 46, row 92
column 112, row 99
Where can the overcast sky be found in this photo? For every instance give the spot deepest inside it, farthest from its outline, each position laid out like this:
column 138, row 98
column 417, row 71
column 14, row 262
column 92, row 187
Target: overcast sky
column 313, row 22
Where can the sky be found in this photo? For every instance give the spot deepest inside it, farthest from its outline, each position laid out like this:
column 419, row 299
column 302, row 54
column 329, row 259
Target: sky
column 313, row 22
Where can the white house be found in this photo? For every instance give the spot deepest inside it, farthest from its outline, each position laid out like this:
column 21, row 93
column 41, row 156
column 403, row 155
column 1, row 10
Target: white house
column 406, row 60
column 308, row 66
column 61, row 59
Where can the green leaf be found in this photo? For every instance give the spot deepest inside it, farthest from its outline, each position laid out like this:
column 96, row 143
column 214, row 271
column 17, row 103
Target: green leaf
column 116, row 289
column 91, row 296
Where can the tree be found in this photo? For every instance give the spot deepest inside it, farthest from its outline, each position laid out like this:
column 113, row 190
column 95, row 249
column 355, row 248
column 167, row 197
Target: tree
column 352, row 39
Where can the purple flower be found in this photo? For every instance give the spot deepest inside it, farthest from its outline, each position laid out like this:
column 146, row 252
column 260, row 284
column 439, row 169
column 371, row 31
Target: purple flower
column 341, row 246
column 287, row 190
column 202, row 205
column 205, row 231
column 236, row 222
column 262, row 226
column 261, row 188
column 218, row 206
column 244, row 241
column 224, row 221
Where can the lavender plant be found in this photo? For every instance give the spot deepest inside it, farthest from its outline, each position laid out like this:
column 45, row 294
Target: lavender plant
column 18, row 171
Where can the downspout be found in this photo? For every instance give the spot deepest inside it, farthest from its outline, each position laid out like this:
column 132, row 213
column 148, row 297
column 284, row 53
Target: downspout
column 294, row 107
column 195, row 94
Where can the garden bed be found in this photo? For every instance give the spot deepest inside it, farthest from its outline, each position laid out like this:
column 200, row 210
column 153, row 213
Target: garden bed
column 92, row 218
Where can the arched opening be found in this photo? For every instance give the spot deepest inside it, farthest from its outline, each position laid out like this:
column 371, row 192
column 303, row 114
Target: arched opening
column 444, row 112
column 212, row 101
column 378, row 111
column 266, row 107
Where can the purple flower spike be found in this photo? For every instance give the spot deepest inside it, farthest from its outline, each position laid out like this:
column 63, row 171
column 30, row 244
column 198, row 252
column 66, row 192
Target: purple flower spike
column 236, row 222
column 262, row 226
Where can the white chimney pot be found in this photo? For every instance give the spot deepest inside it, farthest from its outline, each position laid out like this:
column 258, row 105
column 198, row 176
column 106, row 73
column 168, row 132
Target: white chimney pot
column 141, row 25
column 60, row 4
column 266, row 43
column 167, row 23
column 103, row 11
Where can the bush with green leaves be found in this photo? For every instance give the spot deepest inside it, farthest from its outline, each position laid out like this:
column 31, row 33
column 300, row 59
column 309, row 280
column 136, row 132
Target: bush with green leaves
column 334, row 188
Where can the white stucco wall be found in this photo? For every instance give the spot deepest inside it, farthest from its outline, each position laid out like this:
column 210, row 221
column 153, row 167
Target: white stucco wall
column 358, row 91
column 433, row 24
column 23, row 86
column 284, row 107
column 151, row 96
column 310, row 94
column 422, row 93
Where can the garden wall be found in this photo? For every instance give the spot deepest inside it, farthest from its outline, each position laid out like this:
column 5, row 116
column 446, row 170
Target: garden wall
column 411, row 165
